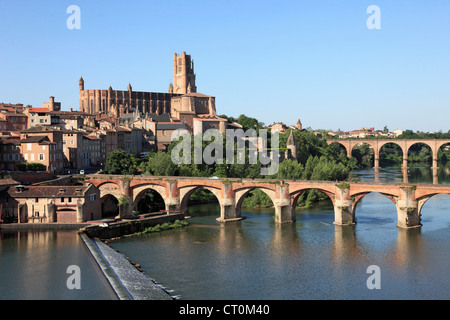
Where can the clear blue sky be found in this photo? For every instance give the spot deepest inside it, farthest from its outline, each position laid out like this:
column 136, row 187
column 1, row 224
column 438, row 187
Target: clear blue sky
column 273, row 60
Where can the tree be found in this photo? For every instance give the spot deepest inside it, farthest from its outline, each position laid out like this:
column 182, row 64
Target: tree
column 159, row 164
column 120, row 162
column 249, row 123
column 290, row 169
column 408, row 134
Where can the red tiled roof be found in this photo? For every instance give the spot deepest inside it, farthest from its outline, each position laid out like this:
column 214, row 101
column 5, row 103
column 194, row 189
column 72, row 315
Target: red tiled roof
column 39, row 110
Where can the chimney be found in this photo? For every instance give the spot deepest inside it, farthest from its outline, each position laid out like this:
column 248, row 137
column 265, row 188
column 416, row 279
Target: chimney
column 52, row 103
column 71, row 110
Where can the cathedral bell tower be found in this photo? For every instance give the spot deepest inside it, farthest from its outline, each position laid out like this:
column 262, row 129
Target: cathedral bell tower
column 183, row 74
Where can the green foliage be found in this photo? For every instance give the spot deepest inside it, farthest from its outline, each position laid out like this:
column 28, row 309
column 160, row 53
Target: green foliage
column 166, row 226
column 229, row 119
column 151, row 201
column 30, row 166
column 120, row 162
column 257, row 199
column 364, row 155
column 122, row 201
column 325, row 169
column 290, row 169
column 202, row 195
column 159, row 164
column 249, row 123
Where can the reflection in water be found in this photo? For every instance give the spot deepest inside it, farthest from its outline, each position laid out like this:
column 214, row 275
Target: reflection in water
column 33, row 265
column 408, row 253
column 415, row 173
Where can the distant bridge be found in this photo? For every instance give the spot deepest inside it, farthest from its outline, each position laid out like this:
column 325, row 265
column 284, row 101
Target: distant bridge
column 230, row 193
column 404, row 144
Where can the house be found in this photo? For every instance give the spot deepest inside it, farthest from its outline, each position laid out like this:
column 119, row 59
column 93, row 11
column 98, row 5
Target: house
column 50, row 204
column 43, row 144
column 13, row 121
column 164, row 131
column 10, row 154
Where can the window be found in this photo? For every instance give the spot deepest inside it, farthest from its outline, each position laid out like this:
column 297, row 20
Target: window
column 92, row 197
column 69, row 199
column 41, row 156
column 62, row 199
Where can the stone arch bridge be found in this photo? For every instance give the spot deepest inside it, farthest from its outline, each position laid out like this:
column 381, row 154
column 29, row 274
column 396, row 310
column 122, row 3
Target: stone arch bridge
column 404, row 144
column 175, row 191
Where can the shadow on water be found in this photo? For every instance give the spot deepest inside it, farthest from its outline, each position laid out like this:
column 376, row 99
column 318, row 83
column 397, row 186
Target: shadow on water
column 34, row 266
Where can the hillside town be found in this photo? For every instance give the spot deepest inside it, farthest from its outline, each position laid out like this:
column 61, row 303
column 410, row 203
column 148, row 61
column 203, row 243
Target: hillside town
column 41, row 143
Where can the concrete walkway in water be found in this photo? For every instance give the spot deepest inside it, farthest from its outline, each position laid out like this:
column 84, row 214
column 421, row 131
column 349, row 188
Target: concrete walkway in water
column 128, row 282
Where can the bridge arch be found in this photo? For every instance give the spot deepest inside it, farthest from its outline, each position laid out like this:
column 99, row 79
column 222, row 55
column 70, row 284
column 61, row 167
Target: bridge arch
column 140, row 191
column 187, row 191
column 441, row 145
column 109, row 206
column 423, row 199
column 416, row 144
column 339, row 147
column 356, row 198
column 297, row 193
column 110, row 188
column 374, row 151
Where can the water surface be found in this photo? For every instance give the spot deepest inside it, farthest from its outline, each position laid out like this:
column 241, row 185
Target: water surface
column 309, row 259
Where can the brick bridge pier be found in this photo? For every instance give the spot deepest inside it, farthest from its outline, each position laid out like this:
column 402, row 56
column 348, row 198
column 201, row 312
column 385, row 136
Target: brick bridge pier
column 230, row 193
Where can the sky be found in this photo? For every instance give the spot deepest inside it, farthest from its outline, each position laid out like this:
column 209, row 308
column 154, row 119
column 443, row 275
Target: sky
column 276, row 61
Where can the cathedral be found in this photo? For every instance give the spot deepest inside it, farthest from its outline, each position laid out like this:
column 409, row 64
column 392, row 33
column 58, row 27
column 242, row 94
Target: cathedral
column 181, row 102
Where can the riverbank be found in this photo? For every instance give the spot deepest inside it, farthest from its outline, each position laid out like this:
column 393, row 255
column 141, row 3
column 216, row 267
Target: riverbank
column 43, row 226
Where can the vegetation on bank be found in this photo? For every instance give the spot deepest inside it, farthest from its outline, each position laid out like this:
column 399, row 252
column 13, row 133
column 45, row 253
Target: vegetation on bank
column 166, row 226
column 315, row 160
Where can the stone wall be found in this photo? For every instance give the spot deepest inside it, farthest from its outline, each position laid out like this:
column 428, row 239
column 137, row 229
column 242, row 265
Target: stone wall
column 126, row 227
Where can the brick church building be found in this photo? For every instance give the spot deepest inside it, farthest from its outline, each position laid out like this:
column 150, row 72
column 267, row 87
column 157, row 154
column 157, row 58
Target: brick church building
column 182, row 101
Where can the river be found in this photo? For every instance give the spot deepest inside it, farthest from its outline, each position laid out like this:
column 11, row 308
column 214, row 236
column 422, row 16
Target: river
column 256, row 258
column 309, row 259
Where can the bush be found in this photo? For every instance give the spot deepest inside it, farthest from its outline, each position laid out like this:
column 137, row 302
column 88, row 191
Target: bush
column 166, row 226
column 31, row 166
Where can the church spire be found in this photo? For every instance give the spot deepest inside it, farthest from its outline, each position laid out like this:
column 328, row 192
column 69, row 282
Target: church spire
column 299, row 125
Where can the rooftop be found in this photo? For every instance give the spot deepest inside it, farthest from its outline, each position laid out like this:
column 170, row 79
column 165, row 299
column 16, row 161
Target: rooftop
column 45, row 191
